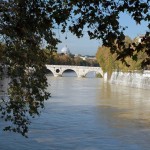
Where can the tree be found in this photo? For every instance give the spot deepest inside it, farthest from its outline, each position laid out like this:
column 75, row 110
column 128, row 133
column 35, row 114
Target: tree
column 108, row 61
column 24, row 24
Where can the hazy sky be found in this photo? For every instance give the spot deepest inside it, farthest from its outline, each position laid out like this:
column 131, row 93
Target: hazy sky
column 85, row 46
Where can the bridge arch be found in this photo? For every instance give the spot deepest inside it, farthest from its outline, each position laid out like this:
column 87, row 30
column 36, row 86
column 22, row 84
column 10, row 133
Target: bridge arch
column 52, row 69
column 48, row 71
column 90, row 72
column 73, row 70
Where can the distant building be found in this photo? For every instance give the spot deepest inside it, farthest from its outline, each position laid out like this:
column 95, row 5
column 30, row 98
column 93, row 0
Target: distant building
column 139, row 38
column 85, row 57
column 65, row 50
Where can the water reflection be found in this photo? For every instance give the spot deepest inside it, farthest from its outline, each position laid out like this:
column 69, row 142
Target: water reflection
column 133, row 103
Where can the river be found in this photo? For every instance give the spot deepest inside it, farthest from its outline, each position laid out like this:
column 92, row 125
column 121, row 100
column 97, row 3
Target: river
column 87, row 114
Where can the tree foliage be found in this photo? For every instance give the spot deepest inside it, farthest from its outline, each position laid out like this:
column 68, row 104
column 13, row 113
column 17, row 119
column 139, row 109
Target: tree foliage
column 106, row 59
column 101, row 18
column 24, row 24
column 69, row 59
column 109, row 62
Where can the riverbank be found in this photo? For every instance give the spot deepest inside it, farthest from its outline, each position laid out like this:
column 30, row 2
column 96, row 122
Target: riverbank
column 134, row 79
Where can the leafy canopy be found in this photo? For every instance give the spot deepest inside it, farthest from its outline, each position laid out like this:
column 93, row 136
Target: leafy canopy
column 108, row 61
column 24, row 24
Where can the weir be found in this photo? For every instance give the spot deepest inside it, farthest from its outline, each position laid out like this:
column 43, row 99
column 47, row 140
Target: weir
column 135, row 79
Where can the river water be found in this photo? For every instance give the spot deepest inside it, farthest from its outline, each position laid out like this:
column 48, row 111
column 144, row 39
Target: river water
column 87, row 114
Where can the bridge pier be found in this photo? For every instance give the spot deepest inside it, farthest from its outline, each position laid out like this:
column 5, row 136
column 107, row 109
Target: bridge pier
column 81, row 76
column 57, row 75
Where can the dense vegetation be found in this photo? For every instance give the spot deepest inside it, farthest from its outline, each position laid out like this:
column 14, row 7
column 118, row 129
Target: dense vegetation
column 108, row 61
column 25, row 24
column 63, row 59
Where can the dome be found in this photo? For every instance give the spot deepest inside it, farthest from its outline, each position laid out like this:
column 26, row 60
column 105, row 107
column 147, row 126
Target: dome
column 65, row 50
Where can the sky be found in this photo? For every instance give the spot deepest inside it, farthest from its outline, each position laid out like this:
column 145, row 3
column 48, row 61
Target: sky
column 85, row 46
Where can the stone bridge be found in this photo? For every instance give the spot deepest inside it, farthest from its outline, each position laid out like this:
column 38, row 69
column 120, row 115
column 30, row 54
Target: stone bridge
column 81, row 71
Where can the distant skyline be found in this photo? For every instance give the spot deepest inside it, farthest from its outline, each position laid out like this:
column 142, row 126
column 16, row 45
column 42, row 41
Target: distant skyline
column 85, row 46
